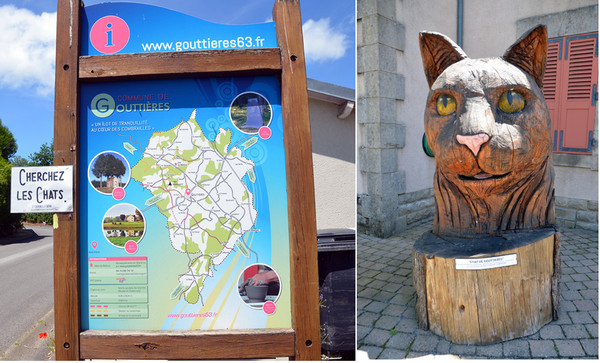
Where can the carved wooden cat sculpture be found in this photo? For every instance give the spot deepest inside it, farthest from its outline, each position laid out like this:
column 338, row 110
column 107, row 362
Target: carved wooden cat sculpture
column 489, row 127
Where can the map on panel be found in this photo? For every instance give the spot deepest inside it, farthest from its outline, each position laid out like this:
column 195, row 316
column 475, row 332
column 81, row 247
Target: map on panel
column 185, row 210
column 198, row 185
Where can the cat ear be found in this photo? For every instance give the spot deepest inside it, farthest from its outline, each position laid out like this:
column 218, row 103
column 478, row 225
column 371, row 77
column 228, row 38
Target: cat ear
column 438, row 53
column 529, row 53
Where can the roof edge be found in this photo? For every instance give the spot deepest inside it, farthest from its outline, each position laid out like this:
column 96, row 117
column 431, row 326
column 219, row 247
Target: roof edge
column 329, row 92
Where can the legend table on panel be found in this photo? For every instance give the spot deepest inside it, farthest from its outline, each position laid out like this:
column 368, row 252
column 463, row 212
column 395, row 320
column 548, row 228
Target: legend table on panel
column 118, row 287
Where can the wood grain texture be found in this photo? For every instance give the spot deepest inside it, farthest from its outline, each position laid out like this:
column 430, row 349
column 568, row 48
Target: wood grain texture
column 219, row 344
column 529, row 53
column 556, row 278
column 300, row 181
column 488, row 207
column 439, row 52
column 493, row 169
column 493, row 305
column 419, row 273
column 432, row 244
column 180, row 64
column 66, row 236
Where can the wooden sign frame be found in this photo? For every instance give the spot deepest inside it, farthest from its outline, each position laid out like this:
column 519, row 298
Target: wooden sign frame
column 302, row 341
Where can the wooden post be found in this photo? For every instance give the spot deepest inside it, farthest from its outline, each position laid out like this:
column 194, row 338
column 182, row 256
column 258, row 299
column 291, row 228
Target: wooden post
column 303, row 230
column 66, row 151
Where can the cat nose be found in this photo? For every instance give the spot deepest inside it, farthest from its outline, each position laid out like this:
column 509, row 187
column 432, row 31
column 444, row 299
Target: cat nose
column 473, row 142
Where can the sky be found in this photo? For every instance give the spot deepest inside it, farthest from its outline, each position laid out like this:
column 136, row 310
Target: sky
column 28, row 33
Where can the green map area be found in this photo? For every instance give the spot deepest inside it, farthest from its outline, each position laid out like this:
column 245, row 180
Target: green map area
column 197, row 185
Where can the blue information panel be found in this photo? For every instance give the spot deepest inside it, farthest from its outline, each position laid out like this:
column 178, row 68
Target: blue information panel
column 117, row 28
column 183, row 205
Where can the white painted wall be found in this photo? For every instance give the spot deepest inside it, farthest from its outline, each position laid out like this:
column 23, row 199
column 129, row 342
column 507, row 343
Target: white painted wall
column 489, row 26
column 441, row 17
column 333, row 144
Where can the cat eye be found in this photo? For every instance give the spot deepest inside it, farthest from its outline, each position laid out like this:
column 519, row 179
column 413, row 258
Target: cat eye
column 511, row 102
column 445, row 105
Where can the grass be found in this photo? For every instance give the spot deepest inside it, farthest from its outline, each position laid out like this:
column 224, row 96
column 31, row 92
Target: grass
column 124, row 225
column 120, row 241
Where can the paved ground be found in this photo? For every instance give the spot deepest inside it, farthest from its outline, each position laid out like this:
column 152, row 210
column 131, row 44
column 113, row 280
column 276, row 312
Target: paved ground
column 32, row 346
column 38, row 317
column 387, row 326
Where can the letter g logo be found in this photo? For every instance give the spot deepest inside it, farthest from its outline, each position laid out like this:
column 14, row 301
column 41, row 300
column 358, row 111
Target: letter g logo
column 103, row 105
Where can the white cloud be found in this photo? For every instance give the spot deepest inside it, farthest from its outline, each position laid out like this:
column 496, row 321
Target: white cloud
column 322, row 42
column 28, row 53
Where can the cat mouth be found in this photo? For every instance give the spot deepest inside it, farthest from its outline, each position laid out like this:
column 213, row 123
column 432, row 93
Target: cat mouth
column 482, row 176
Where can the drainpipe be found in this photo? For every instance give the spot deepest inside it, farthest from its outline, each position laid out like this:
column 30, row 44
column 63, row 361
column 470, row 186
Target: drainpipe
column 459, row 23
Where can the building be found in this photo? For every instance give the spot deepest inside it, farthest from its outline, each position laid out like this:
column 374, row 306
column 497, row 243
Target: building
column 395, row 176
column 332, row 123
column 113, row 182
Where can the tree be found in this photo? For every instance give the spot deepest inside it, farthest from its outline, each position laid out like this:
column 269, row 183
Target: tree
column 8, row 144
column 8, row 147
column 114, row 167
column 118, row 168
column 109, row 166
column 44, row 157
column 139, row 216
column 99, row 167
column 19, row 161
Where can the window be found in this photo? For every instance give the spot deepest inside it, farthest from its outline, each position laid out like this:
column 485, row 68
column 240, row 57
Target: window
column 570, row 90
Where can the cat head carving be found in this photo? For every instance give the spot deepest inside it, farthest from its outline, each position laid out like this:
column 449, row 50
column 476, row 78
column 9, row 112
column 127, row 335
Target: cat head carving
column 489, row 127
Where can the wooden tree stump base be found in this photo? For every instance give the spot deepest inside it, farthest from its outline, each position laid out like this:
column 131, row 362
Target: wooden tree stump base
column 486, row 290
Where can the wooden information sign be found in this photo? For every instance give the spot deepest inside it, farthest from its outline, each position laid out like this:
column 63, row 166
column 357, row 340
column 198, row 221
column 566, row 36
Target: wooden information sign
column 193, row 231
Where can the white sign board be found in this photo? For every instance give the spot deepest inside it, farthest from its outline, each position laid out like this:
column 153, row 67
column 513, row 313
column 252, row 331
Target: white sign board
column 41, row 189
column 486, row 263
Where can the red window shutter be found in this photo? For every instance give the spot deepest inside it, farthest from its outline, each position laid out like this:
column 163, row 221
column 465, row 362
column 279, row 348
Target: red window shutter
column 550, row 83
column 579, row 106
column 570, row 89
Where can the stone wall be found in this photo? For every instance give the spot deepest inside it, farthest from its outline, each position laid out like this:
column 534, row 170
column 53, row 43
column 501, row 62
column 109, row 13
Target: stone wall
column 577, row 213
column 412, row 209
column 380, row 87
column 416, row 207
